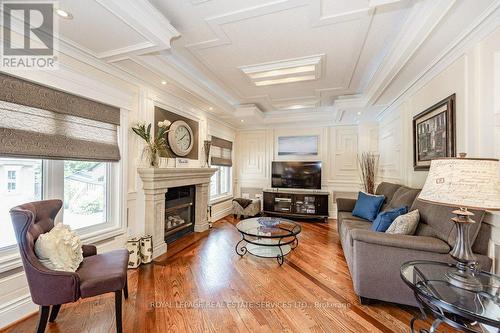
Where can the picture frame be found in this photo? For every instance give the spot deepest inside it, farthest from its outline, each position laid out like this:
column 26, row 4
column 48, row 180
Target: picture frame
column 298, row 145
column 434, row 133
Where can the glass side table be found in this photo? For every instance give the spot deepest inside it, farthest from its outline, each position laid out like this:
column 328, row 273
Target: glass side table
column 462, row 309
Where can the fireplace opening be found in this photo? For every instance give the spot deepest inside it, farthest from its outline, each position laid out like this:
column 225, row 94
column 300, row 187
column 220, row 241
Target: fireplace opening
column 179, row 212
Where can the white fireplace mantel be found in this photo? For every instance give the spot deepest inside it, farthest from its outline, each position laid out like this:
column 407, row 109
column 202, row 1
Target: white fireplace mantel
column 156, row 182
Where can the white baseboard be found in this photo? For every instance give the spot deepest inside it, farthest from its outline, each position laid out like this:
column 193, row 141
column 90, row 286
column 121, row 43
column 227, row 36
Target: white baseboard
column 15, row 309
column 159, row 250
column 222, row 213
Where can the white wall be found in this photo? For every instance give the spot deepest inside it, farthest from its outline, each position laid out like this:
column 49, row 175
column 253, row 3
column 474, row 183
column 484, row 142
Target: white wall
column 339, row 147
column 475, row 79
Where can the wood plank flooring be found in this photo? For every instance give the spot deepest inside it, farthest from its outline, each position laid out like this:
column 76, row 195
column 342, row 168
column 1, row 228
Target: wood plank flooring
column 202, row 285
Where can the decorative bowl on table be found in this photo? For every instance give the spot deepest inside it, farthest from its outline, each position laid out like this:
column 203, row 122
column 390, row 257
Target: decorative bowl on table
column 268, row 222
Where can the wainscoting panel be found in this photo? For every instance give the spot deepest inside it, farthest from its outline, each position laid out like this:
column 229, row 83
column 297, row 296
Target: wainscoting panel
column 390, row 142
column 344, row 166
column 253, row 159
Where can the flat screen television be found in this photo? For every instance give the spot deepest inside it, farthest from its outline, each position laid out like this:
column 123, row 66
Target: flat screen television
column 303, row 175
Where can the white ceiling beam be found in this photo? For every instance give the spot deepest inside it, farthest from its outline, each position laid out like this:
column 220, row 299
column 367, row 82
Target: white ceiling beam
column 145, row 19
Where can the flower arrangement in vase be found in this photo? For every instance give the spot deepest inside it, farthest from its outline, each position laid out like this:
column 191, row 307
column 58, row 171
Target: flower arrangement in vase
column 155, row 146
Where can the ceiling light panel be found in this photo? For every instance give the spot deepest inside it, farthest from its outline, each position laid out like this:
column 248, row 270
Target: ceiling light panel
column 285, row 71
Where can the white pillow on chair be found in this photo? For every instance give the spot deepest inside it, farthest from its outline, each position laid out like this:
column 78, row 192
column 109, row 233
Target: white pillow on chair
column 60, row 249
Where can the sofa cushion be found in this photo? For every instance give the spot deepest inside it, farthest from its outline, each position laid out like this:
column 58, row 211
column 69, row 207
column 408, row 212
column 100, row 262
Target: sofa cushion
column 348, row 216
column 435, row 221
column 349, row 225
column 404, row 196
column 387, row 190
column 368, row 206
column 385, row 219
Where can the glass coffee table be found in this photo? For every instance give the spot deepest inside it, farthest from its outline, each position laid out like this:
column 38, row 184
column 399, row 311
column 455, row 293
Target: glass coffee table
column 460, row 308
column 267, row 237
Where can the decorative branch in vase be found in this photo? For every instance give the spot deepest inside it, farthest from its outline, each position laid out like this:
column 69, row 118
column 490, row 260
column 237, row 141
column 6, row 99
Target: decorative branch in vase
column 368, row 163
column 206, row 149
column 155, row 146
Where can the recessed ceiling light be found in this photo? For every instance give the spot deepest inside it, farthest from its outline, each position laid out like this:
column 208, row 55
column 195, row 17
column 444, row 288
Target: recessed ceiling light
column 164, row 82
column 210, row 108
column 359, row 113
column 285, row 80
column 64, row 14
column 286, row 71
column 242, row 120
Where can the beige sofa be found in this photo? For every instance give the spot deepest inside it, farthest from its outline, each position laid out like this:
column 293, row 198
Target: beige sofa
column 374, row 258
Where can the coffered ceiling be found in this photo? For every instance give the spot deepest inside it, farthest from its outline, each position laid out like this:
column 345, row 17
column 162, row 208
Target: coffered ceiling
column 343, row 40
column 275, row 61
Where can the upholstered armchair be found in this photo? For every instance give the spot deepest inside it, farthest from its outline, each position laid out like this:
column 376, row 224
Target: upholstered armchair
column 97, row 274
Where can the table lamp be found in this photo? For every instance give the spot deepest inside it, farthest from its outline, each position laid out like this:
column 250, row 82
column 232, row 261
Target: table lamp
column 466, row 183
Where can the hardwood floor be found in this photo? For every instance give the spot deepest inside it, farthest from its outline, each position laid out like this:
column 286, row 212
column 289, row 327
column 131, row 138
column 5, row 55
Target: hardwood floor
column 202, row 285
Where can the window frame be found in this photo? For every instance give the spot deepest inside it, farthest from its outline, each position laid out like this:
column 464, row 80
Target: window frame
column 226, row 195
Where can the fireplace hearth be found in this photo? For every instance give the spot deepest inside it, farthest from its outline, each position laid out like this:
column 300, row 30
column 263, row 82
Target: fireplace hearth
column 156, row 184
column 179, row 212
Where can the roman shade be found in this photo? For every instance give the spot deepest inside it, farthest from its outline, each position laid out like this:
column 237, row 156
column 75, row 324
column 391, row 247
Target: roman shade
column 41, row 122
column 221, row 152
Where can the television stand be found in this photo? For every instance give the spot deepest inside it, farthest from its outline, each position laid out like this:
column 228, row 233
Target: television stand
column 296, row 203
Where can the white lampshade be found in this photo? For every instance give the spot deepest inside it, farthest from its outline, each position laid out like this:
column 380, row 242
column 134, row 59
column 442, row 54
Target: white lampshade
column 463, row 182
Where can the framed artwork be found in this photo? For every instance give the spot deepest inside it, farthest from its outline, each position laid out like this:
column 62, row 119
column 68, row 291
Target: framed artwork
column 298, row 145
column 434, row 133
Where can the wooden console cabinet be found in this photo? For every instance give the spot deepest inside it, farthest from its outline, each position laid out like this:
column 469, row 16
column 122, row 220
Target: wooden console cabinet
column 300, row 204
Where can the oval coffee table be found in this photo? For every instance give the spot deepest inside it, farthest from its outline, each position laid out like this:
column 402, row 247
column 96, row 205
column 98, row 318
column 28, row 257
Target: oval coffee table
column 267, row 237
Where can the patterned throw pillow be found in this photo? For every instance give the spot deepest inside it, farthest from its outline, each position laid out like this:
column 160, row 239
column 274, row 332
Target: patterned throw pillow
column 405, row 224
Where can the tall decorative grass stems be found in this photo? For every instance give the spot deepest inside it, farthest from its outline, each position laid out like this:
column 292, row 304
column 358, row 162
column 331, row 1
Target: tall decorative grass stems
column 368, row 164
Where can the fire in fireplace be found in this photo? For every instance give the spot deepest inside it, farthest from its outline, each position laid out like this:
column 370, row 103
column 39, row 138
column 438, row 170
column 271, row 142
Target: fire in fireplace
column 179, row 212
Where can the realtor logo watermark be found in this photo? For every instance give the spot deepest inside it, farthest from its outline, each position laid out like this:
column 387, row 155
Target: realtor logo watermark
column 29, row 35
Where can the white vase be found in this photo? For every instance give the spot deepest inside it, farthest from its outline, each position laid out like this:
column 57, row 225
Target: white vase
column 146, row 249
column 134, row 252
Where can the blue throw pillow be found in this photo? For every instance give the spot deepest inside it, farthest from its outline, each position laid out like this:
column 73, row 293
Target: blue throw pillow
column 368, row 205
column 384, row 219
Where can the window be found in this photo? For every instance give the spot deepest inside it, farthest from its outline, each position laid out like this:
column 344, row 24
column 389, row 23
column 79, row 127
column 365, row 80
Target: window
column 85, row 200
column 11, row 181
column 220, row 183
column 83, row 185
column 22, row 182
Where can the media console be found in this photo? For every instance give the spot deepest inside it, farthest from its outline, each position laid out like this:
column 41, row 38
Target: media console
column 296, row 203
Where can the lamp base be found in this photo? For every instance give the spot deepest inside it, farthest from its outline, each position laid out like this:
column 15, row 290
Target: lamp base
column 462, row 275
column 463, row 279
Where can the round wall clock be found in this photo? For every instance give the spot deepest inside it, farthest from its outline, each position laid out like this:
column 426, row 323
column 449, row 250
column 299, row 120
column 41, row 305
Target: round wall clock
column 180, row 138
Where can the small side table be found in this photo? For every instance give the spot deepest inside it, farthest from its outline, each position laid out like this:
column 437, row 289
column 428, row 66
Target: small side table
column 462, row 309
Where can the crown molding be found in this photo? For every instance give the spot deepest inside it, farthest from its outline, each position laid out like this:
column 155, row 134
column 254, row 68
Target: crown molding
column 421, row 23
column 483, row 26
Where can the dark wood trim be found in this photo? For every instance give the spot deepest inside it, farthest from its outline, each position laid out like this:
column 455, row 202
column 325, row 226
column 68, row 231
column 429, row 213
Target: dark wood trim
column 450, row 101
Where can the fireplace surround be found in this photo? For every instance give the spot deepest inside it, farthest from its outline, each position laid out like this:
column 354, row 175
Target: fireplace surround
column 155, row 184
